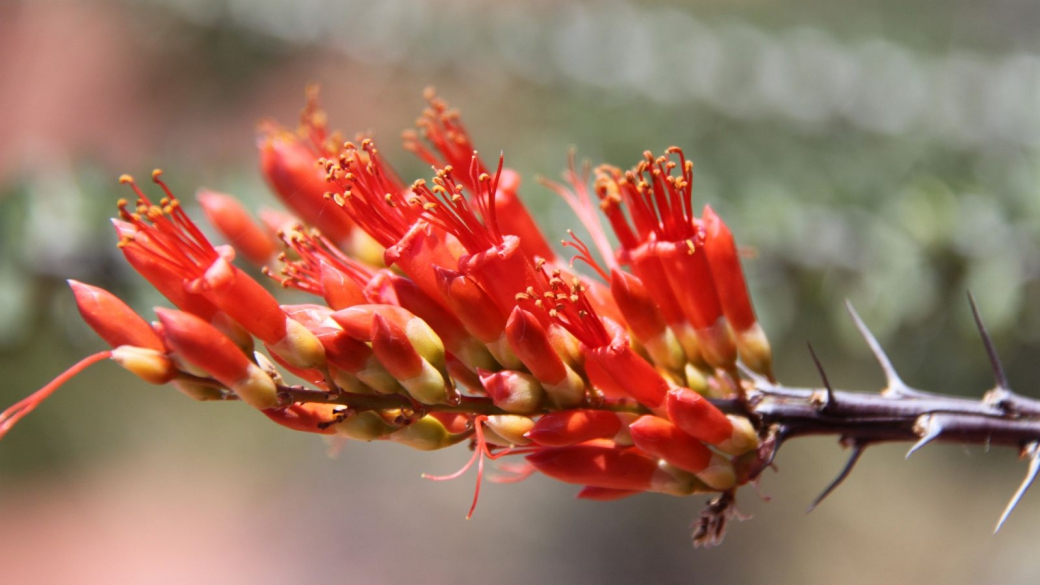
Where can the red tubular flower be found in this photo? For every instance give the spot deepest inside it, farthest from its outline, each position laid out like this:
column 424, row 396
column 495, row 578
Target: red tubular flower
column 531, row 344
column 570, row 427
column 660, row 438
column 443, row 128
column 697, row 417
column 721, row 249
column 481, row 317
column 203, row 346
column 645, row 321
column 238, row 228
column 172, row 240
column 395, row 351
column 602, row 464
column 292, row 170
column 112, row 319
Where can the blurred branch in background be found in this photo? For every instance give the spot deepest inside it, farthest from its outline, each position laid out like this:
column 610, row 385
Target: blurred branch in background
column 874, row 151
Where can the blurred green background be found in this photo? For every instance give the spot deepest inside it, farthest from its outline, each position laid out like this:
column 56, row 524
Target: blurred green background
column 879, row 151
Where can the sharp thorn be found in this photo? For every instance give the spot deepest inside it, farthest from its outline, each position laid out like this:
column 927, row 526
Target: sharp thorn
column 895, row 384
column 930, row 431
column 991, row 350
column 1034, row 468
column 823, row 376
column 857, row 450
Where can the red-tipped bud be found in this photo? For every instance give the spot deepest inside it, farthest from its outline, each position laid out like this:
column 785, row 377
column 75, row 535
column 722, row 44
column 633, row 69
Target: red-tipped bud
column 112, row 319
column 292, row 171
column 621, row 373
column 391, row 346
column 599, row 464
column 570, row 427
column 203, row 346
column 643, row 317
column 721, row 251
column 660, row 438
column 513, row 392
column 688, row 272
column 529, row 341
column 697, row 417
column 471, row 304
column 230, row 217
column 404, row 292
column 357, row 322
column 395, row 351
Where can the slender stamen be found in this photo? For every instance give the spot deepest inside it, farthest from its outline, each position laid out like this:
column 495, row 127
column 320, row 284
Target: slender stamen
column 15, row 413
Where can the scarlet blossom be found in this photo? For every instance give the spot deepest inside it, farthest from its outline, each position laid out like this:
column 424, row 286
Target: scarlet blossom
column 441, row 314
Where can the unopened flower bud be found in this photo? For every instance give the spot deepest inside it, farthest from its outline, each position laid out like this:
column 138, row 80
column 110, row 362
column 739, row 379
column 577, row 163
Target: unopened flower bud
column 230, row 217
column 512, row 391
column 367, row 425
column 112, row 319
column 148, row 364
column 426, row 434
column 199, row 343
column 507, row 429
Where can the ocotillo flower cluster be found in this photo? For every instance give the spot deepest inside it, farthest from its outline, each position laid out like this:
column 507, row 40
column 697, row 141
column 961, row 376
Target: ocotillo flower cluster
column 442, row 314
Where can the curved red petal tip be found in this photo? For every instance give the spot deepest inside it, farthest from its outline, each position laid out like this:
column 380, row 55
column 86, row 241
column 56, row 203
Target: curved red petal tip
column 112, row 319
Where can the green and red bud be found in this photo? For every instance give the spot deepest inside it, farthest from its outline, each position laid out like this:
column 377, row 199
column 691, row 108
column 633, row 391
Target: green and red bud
column 644, row 319
column 420, row 378
column 200, row 344
column 148, row 364
column 112, row 319
column 427, row 434
column 620, row 372
column 367, row 425
column 570, row 427
column 603, row 464
column 507, row 430
column 697, row 417
column 662, row 439
column 512, row 391
column 530, row 343
column 724, row 258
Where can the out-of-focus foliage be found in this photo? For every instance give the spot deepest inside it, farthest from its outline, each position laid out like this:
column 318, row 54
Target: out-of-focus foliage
column 874, row 151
